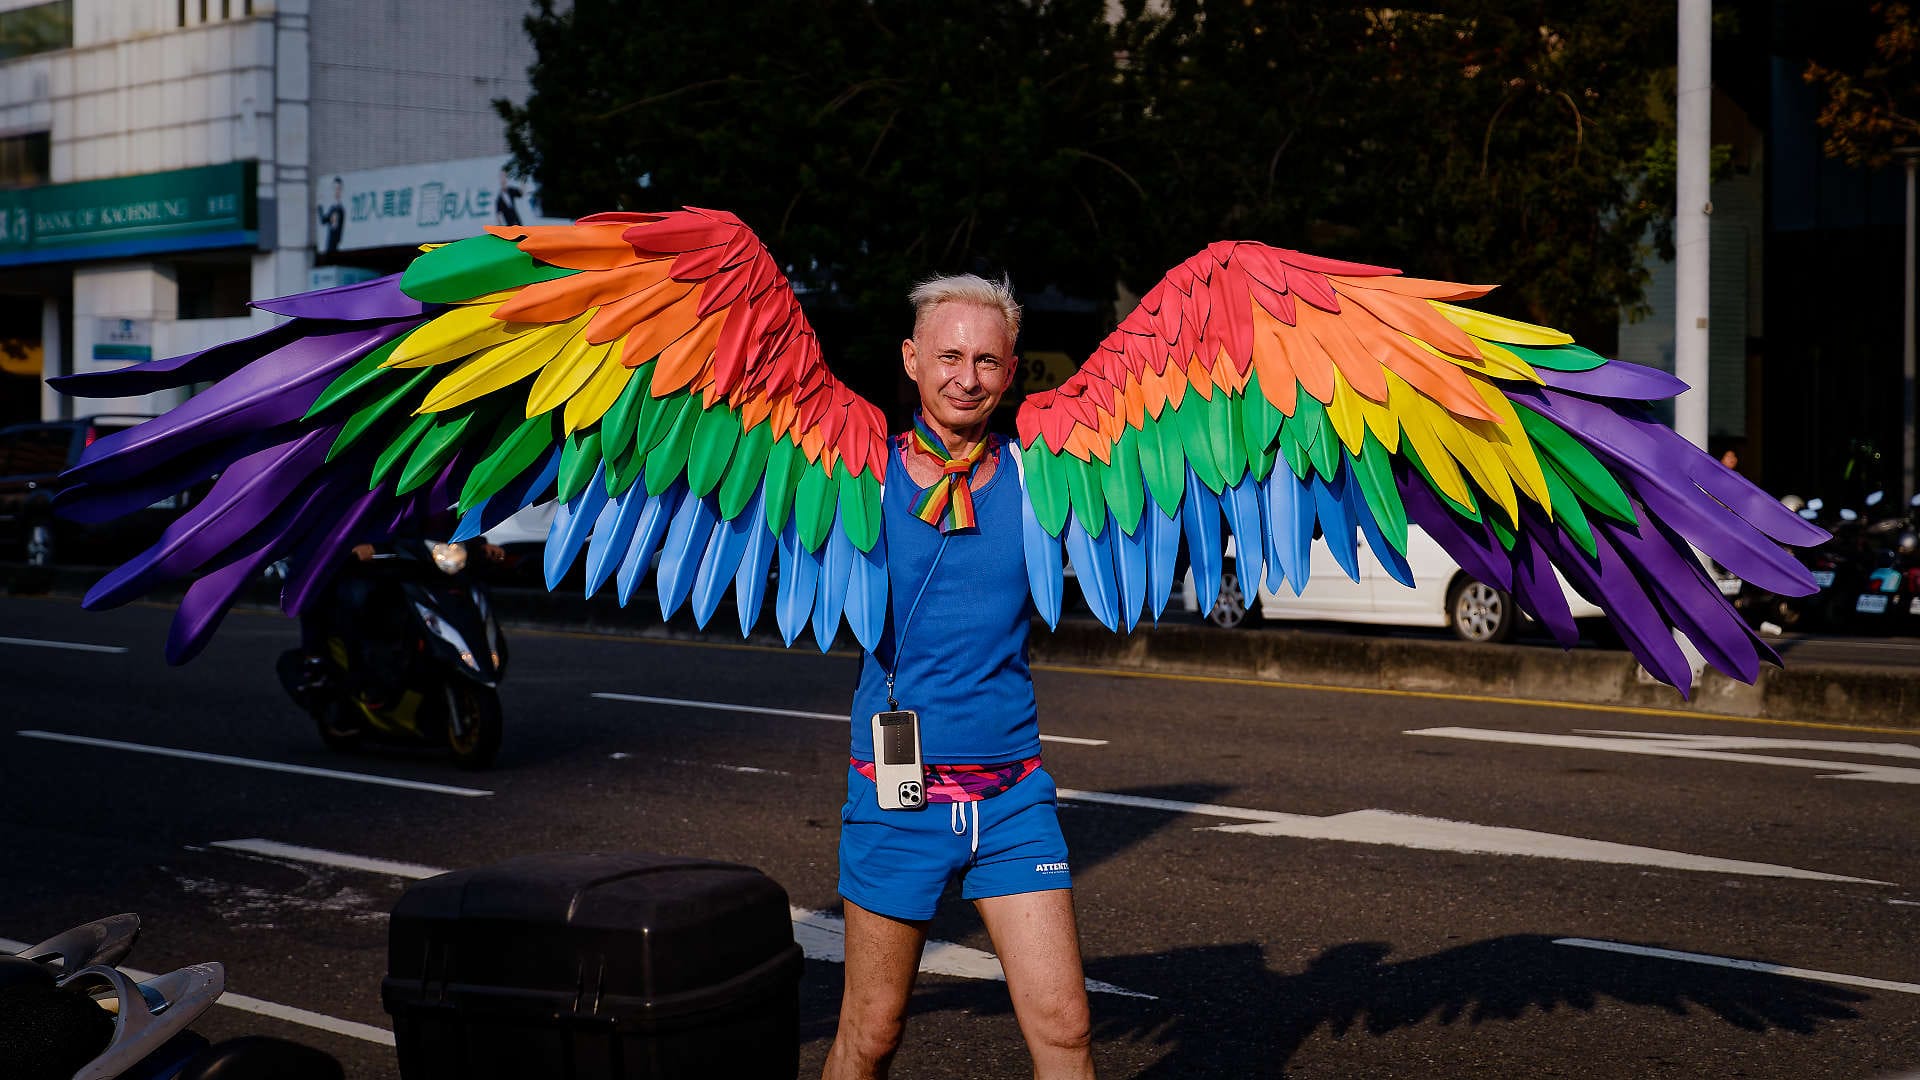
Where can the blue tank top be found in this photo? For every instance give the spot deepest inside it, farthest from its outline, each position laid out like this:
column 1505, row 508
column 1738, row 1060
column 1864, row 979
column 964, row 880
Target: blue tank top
column 964, row 668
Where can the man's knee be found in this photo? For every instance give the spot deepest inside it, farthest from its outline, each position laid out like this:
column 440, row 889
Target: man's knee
column 869, row 1040
column 1062, row 1021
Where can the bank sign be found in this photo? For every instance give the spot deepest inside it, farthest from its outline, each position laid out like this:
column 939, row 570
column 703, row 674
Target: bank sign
column 182, row 210
column 409, row 205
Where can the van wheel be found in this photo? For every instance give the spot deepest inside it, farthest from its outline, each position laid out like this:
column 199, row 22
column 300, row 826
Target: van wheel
column 474, row 724
column 1479, row 612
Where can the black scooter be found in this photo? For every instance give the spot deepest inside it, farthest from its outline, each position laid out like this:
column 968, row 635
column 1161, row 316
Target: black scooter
column 412, row 654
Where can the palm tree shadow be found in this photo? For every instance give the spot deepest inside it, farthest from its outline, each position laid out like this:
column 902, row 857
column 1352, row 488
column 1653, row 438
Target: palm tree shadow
column 1222, row 1012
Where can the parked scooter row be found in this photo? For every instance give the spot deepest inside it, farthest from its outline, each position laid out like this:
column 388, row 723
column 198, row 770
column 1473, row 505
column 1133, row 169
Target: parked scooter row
column 1868, row 574
column 67, row 1012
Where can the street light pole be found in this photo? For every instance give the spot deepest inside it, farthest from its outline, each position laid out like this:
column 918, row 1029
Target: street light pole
column 1691, row 206
column 1910, row 155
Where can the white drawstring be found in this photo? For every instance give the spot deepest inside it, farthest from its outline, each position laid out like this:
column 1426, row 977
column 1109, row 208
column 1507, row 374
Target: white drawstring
column 957, row 821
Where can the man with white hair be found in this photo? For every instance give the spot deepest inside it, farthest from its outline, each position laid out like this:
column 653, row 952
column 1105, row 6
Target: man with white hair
column 955, row 653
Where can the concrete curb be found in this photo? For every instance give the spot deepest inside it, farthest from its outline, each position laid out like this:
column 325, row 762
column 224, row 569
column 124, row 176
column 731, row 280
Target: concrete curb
column 1806, row 693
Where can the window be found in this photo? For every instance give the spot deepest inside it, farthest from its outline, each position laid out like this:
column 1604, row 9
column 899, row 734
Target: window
column 37, row 29
column 213, row 290
column 26, row 160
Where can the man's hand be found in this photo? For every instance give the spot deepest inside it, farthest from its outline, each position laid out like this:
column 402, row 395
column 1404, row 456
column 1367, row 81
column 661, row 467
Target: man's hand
column 363, row 552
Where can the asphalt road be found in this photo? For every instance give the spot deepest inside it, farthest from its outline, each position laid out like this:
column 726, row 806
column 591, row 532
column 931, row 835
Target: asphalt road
column 1312, row 884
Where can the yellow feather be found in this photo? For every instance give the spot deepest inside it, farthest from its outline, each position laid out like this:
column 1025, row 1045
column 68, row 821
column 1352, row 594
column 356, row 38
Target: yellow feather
column 1382, row 422
column 1498, row 328
column 1494, row 362
column 1476, row 455
column 1344, row 412
column 602, row 389
column 460, row 332
column 502, row 365
column 1418, row 414
column 565, row 374
column 1509, row 441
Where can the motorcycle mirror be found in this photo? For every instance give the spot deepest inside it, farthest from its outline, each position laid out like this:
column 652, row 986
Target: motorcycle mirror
column 1849, row 515
column 1874, row 497
column 1816, row 504
column 1915, row 501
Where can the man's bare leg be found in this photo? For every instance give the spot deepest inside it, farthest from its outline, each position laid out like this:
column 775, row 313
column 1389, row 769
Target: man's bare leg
column 1040, row 951
column 883, row 955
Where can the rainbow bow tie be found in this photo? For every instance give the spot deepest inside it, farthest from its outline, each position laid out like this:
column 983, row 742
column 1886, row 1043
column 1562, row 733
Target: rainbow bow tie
column 954, row 488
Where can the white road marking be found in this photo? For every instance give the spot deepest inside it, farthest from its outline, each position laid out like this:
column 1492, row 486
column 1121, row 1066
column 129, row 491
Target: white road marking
column 305, row 1018
column 1907, row 903
column 1742, row 965
column 821, row 936
column 722, row 706
column 1439, row 834
column 729, row 768
column 252, row 763
column 74, row 646
column 1712, row 748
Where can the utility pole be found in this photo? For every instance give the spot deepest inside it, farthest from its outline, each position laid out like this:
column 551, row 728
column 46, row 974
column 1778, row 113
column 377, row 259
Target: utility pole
column 1691, row 207
column 1910, row 156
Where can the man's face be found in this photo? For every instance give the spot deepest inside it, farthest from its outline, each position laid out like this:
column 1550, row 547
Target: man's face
column 962, row 360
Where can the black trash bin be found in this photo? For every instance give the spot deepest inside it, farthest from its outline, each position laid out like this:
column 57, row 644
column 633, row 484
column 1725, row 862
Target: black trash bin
column 594, row 967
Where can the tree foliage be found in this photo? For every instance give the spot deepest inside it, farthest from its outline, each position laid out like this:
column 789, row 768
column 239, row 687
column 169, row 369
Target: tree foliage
column 874, row 141
column 1873, row 107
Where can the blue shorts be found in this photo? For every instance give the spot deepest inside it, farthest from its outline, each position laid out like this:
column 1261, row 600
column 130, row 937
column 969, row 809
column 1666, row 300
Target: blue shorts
column 898, row 862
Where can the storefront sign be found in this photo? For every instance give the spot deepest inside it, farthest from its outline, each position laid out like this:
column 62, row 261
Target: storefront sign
column 182, row 210
column 123, row 339
column 408, row 205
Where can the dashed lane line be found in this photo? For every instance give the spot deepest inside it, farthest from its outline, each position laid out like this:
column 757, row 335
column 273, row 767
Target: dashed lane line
column 259, row 1007
column 254, row 763
column 72, row 646
column 1742, row 965
column 723, row 706
column 821, row 936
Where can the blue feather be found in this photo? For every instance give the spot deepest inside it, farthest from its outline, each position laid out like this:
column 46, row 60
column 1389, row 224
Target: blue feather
column 1336, row 524
column 867, row 595
column 472, row 523
column 1093, row 567
column 571, row 525
column 799, row 572
column 519, row 493
column 1392, row 561
column 681, row 552
column 1242, row 506
column 750, row 582
column 612, row 535
column 1163, row 555
column 1200, row 520
column 654, row 519
column 724, row 552
column 1290, row 517
column 1044, row 573
column 830, row 596
column 1130, row 569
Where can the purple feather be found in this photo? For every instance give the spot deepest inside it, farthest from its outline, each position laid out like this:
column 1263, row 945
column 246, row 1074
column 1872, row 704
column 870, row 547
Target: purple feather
column 1616, row 379
column 245, row 494
column 95, row 503
column 1470, row 544
column 315, row 561
column 361, row 301
column 207, row 365
column 1538, row 589
column 272, row 391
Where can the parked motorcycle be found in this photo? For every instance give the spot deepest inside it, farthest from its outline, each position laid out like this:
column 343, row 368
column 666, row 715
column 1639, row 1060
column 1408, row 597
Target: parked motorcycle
column 410, row 652
column 1887, row 600
column 67, row 1012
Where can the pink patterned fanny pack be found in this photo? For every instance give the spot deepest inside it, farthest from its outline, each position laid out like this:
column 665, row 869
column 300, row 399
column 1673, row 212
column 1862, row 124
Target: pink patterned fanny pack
column 965, row 783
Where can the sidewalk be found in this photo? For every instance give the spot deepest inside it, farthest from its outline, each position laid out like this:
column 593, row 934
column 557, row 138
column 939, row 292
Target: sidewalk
column 1823, row 693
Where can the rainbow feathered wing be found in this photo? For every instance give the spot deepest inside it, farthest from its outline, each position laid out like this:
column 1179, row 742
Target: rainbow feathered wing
column 654, row 373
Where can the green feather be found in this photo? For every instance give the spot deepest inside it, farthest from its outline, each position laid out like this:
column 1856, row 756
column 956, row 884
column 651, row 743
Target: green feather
column 1229, row 445
column 1568, row 511
column 618, row 426
column 1195, row 418
column 473, row 267
column 715, row 435
column 579, row 458
column 1259, row 428
column 1464, row 510
column 524, row 443
column 1558, row 357
column 374, row 411
column 1502, row 530
column 1121, row 484
column 1582, row 471
column 398, row 448
column 1295, row 454
column 364, row 371
column 747, row 470
column 1373, row 468
column 784, row 465
column 668, row 458
column 1046, row 487
column 1083, row 490
column 860, row 509
column 814, row 503
column 623, row 469
column 1163, row 462
column 1317, row 437
column 439, row 443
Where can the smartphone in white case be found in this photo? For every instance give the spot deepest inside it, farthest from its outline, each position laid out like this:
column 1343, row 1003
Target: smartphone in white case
column 898, row 775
